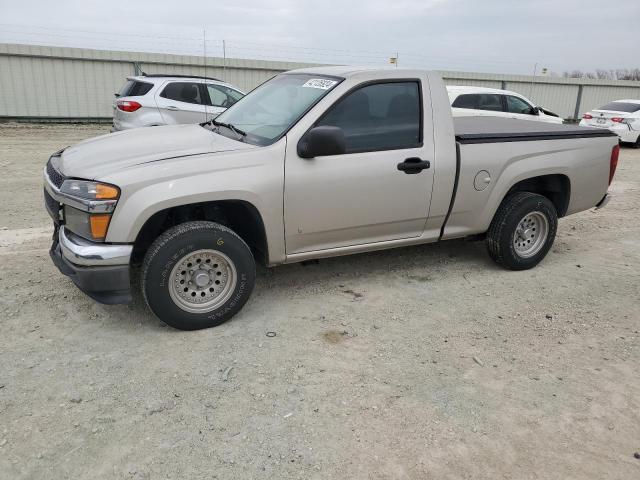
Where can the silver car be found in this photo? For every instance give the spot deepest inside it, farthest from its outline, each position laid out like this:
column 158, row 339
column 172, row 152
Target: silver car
column 150, row 100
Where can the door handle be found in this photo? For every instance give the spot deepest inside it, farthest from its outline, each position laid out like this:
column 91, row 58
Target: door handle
column 172, row 107
column 413, row 165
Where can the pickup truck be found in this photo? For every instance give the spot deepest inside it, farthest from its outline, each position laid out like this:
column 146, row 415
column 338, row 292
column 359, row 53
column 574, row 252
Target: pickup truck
column 313, row 163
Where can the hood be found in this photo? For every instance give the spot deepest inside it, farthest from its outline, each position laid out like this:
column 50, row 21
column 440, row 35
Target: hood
column 115, row 152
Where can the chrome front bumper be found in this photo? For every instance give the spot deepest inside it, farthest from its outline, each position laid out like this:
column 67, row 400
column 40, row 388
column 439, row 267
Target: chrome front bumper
column 83, row 252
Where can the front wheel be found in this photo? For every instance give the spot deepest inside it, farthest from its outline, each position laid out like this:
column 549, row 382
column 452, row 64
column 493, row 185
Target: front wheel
column 522, row 231
column 197, row 275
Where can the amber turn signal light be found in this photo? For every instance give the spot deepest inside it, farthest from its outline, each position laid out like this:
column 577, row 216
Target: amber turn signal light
column 106, row 192
column 99, row 224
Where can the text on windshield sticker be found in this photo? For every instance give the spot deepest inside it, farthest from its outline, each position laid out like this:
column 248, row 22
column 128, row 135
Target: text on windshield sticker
column 321, row 83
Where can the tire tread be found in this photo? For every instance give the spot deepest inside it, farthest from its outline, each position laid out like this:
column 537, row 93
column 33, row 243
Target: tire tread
column 171, row 234
column 494, row 243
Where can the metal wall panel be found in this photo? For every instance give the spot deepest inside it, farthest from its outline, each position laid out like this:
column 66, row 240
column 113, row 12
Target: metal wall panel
column 594, row 97
column 57, row 87
column 38, row 82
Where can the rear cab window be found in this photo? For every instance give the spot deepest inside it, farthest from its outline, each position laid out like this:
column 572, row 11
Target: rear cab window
column 135, row 88
column 187, row 92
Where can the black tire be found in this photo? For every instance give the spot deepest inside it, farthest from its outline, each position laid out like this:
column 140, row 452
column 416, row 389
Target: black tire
column 176, row 243
column 501, row 234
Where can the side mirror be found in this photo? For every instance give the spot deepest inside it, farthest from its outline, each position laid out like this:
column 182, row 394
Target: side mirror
column 535, row 111
column 322, row 141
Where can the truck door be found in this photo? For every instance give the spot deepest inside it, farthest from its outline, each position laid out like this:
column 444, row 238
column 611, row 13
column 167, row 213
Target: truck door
column 371, row 193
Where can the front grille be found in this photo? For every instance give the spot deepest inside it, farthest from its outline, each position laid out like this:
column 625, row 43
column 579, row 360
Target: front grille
column 53, row 207
column 56, row 177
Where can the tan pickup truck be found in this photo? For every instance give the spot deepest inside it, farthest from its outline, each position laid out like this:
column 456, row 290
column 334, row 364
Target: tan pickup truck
column 313, row 163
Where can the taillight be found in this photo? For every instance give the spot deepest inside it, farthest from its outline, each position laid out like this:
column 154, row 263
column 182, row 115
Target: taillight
column 128, row 105
column 613, row 164
column 586, row 116
column 617, row 119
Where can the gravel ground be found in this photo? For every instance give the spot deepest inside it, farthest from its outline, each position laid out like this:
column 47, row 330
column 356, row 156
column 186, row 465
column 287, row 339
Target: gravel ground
column 416, row 363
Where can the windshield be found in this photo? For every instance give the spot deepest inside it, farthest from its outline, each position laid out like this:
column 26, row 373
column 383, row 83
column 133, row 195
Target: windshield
column 268, row 112
column 621, row 107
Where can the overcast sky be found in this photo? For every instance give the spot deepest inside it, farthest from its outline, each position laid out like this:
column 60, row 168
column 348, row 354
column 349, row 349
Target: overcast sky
column 473, row 35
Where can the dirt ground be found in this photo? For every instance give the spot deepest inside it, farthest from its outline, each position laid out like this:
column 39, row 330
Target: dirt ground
column 427, row 362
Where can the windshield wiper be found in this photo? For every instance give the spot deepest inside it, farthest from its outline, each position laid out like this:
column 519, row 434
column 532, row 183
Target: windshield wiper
column 230, row 126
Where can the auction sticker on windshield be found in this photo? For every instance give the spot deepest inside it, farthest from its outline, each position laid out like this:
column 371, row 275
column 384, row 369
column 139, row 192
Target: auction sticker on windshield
column 321, row 83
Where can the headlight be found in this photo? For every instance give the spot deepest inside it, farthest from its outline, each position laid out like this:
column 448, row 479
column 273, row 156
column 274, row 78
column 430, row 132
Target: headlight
column 88, row 207
column 90, row 190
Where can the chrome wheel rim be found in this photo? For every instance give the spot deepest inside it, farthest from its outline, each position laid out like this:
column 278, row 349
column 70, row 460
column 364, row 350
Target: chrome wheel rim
column 531, row 234
column 202, row 281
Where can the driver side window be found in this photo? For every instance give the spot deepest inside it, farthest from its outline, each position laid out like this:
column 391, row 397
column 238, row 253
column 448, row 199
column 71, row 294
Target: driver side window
column 517, row 105
column 384, row 116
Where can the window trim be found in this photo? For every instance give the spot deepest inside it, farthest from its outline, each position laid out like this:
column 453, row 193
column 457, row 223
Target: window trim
column 368, row 83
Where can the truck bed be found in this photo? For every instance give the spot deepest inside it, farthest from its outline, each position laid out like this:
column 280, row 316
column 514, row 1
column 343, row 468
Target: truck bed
column 498, row 130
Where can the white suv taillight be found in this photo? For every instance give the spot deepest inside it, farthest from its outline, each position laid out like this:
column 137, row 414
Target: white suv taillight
column 127, row 105
column 617, row 119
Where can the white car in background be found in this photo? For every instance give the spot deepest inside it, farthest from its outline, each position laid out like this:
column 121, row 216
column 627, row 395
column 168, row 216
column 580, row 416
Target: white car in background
column 151, row 100
column 622, row 117
column 492, row 102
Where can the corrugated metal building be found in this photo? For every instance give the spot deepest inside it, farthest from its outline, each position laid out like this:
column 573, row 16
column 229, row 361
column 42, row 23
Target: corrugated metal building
column 50, row 83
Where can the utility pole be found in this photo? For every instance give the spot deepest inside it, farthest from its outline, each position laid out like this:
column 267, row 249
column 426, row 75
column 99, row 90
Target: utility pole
column 535, row 69
column 397, row 59
column 204, row 50
column 224, row 60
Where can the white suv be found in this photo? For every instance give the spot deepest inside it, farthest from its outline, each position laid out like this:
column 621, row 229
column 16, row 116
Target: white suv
column 150, row 100
column 480, row 101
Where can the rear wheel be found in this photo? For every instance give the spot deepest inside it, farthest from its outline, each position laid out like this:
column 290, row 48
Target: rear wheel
column 522, row 231
column 197, row 275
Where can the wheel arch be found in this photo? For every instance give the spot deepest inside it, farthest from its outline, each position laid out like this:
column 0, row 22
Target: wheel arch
column 240, row 216
column 556, row 187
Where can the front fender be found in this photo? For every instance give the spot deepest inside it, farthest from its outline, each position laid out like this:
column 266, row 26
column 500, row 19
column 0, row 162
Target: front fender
column 255, row 177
